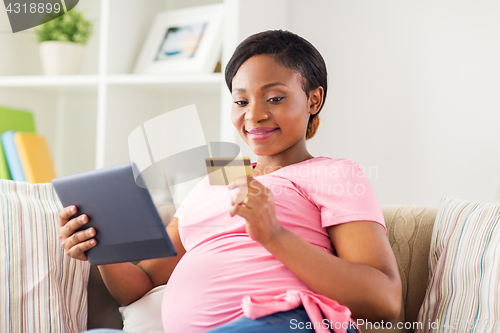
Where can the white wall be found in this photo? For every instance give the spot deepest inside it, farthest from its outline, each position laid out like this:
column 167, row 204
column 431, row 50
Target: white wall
column 414, row 93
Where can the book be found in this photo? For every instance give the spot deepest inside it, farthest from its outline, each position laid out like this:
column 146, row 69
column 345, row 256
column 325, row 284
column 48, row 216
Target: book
column 34, row 156
column 16, row 120
column 12, row 157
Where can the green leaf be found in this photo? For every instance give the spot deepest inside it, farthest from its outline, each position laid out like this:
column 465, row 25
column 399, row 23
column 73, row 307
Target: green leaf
column 70, row 27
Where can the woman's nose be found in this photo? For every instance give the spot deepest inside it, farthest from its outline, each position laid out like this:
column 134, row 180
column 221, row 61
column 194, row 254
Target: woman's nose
column 256, row 113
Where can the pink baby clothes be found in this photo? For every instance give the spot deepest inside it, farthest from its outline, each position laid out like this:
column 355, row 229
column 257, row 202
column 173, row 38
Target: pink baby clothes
column 317, row 306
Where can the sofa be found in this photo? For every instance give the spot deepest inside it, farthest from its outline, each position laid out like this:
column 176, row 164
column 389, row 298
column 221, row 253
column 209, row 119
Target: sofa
column 409, row 230
column 448, row 259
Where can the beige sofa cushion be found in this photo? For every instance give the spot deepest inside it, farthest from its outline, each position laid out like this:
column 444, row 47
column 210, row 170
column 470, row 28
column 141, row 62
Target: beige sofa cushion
column 409, row 229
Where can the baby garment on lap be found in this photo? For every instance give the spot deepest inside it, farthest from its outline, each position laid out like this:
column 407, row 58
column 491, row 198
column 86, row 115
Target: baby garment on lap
column 223, row 264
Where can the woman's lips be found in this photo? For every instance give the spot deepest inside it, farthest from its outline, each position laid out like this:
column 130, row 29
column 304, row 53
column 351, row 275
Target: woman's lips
column 261, row 133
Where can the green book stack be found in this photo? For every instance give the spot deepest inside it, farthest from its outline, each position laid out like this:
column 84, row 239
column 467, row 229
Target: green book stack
column 13, row 120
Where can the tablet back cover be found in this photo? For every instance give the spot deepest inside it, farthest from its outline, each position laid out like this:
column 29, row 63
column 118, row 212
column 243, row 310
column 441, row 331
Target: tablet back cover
column 127, row 224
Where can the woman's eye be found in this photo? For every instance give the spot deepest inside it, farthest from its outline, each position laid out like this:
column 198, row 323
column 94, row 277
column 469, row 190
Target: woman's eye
column 241, row 103
column 275, row 99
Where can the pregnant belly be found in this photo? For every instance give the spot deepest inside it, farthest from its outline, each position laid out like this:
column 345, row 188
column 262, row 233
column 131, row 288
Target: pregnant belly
column 208, row 284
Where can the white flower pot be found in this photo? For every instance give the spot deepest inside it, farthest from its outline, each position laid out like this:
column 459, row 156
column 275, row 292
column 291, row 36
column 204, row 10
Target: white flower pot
column 61, row 58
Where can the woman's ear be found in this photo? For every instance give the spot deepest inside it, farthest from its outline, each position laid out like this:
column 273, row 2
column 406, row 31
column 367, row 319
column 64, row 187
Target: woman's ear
column 315, row 100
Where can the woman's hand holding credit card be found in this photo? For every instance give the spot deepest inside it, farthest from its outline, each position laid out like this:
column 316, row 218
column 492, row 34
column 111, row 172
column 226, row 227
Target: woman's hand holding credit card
column 249, row 198
column 223, row 171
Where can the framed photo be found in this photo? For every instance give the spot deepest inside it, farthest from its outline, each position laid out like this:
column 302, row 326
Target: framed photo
column 183, row 41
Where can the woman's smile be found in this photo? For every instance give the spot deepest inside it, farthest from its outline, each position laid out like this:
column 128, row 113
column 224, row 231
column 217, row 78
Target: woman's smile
column 261, row 133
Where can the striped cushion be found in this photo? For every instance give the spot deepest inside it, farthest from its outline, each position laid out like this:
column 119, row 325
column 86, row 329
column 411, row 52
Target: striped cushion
column 41, row 289
column 464, row 262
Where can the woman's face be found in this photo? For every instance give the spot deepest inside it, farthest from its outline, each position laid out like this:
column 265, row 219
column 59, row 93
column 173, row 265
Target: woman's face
column 270, row 109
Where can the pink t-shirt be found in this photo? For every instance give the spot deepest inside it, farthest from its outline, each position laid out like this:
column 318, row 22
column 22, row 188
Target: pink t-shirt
column 223, row 264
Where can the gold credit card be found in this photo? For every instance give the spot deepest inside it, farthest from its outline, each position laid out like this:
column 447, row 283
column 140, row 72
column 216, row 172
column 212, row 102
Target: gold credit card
column 222, row 171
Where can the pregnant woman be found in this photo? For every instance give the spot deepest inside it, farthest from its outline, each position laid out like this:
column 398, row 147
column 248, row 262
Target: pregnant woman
column 305, row 250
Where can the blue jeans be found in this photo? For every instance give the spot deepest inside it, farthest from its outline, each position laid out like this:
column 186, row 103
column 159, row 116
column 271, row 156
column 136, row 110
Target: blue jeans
column 288, row 321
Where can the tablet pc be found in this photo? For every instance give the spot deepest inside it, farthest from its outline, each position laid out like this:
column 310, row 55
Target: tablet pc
column 128, row 226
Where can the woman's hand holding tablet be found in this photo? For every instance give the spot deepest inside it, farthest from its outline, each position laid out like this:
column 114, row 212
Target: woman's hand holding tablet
column 120, row 222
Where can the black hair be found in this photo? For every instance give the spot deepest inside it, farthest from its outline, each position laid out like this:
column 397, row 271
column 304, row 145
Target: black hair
column 290, row 51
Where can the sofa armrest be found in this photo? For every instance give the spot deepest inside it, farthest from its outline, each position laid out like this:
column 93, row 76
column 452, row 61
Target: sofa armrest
column 409, row 230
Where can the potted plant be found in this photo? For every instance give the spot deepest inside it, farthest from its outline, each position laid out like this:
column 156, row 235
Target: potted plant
column 62, row 43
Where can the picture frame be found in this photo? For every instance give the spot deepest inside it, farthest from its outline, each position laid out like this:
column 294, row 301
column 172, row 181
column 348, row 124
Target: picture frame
column 187, row 40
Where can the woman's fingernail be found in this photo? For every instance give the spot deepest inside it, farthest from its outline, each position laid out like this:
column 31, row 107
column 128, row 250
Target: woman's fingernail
column 82, row 218
column 72, row 209
column 92, row 242
column 90, row 232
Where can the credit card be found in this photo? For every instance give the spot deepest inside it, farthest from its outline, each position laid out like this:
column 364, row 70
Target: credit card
column 222, row 171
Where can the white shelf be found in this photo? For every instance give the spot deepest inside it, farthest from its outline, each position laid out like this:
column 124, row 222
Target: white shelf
column 86, row 83
column 89, row 80
column 172, row 86
column 48, row 81
column 164, row 79
column 52, row 84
